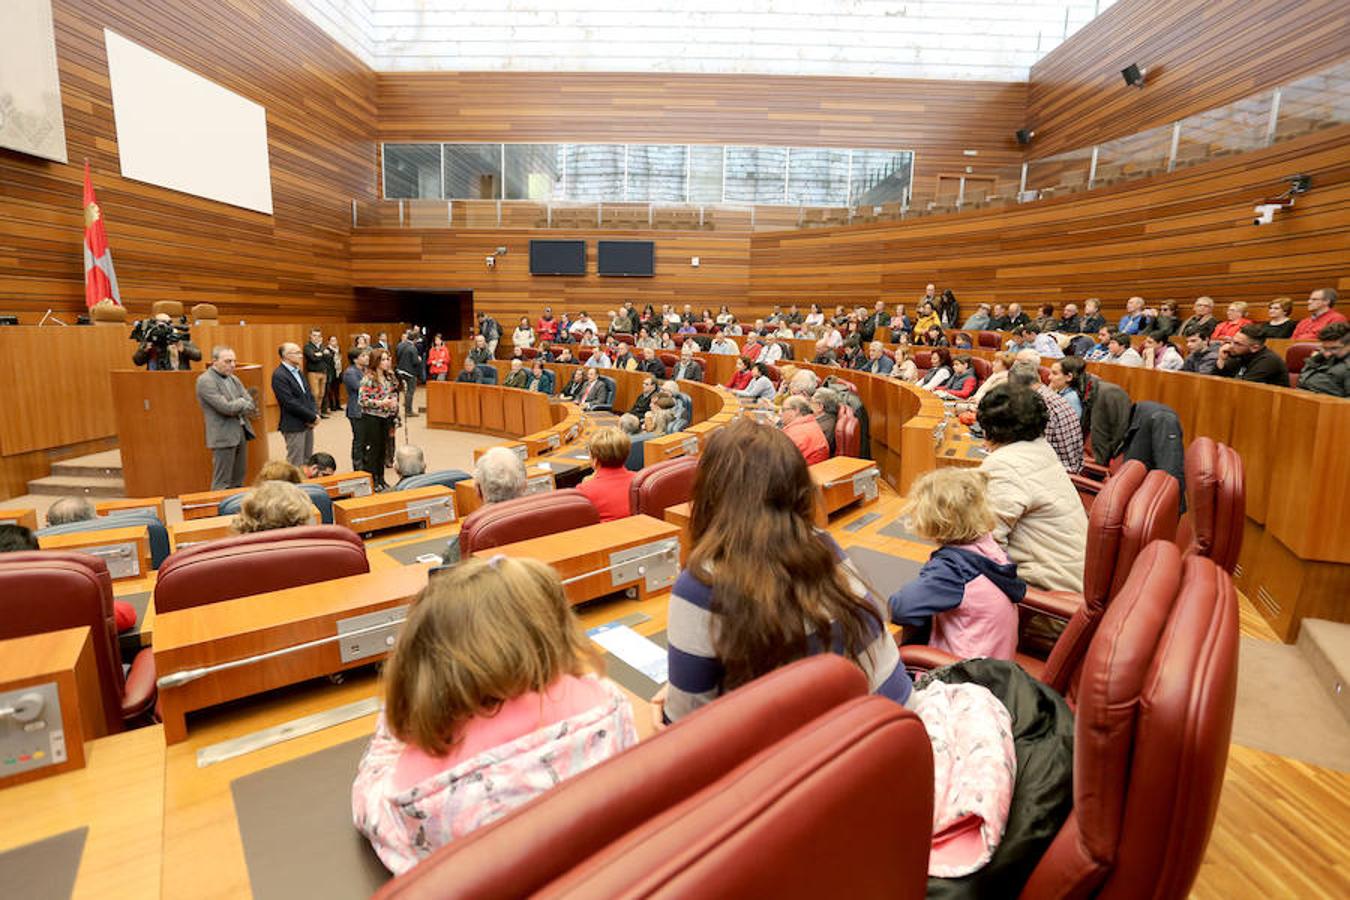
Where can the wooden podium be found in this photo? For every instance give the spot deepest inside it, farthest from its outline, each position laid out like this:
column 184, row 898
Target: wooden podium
column 162, row 434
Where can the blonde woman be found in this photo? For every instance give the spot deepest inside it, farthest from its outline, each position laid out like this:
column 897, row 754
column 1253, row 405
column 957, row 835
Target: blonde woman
column 904, row 368
column 1002, row 363
column 273, row 504
column 1237, row 318
column 278, row 470
column 491, row 697
column 968, row 589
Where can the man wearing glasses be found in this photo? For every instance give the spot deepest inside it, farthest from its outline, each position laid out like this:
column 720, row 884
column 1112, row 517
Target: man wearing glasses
column 1247, row 358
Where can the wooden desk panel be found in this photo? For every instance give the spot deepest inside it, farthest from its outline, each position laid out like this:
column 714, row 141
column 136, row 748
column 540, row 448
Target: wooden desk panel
column 1307, row 482
column 130, row 545
column 24, row 517
column 467, row 411
column 670, row 446
column 341, row 485
column 65, row 657
column 205, row 504
column 395, row 509
column 492, row 417
column 513, row 411
column 845, row 480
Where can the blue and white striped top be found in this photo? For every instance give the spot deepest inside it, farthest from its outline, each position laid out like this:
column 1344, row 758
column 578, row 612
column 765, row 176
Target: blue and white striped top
column 696, row 674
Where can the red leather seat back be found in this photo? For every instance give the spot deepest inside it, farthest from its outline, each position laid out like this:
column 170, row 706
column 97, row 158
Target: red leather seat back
column 847, row 432
column 853, row 787
column 524, row 518
column 1216, row 503
column 1044, row 372
column 528, row 352
column 1295, row 355
column 774, row 374
column 670, row 360
column 983, row 368
column 658, row 487
column 624, row 338
column 50, row 590
column 584, row 353
column 990, row 340
column 1134, row 509
column 1153, row 723
column 256, row 563
column 527, row 850
column 923, row 359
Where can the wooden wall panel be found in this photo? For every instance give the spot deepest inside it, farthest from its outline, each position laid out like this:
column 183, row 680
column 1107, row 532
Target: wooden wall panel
column 1200, row 54
column 320, row 104
column 936, row 119
column 1174, row 236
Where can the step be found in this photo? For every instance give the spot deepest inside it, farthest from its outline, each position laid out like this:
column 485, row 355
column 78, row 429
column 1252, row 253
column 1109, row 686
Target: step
column 83, row 486
column 77, row 468
column 1326, row 647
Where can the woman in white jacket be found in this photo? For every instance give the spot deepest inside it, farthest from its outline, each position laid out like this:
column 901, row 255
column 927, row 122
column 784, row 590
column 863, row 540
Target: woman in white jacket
column 1041, row 523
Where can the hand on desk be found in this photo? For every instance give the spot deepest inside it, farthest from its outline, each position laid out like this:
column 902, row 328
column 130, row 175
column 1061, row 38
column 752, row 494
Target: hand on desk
column 657, row 706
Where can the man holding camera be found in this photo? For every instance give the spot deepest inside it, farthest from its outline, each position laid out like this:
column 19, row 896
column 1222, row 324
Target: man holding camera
column 164, row 346
column 226, row 407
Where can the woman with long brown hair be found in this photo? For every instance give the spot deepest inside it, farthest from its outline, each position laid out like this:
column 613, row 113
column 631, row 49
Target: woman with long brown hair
column 379, row 410
column 762, row 583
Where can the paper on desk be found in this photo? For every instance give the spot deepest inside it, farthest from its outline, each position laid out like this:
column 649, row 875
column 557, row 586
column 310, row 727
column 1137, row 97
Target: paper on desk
column 648, row 657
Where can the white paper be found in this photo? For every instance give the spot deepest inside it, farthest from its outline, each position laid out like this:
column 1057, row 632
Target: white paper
column 647, row 656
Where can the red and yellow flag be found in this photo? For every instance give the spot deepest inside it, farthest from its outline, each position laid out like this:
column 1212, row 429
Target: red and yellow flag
column 100, row 281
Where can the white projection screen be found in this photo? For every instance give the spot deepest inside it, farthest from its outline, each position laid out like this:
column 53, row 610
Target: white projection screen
column 178, row 130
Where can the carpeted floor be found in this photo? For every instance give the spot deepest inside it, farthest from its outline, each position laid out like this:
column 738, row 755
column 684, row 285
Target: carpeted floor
column 1281, row 707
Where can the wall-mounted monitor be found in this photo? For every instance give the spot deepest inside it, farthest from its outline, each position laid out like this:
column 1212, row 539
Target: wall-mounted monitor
column 637, row 258
column 557, row 257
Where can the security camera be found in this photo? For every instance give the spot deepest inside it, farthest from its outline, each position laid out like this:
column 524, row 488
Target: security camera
column 491, row 261
column 1265, row 213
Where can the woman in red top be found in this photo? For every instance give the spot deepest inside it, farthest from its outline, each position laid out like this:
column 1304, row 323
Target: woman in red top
column 438, row 360
column 547, row 327
column 607, row 489
column 741, row 377
column 1237, row 318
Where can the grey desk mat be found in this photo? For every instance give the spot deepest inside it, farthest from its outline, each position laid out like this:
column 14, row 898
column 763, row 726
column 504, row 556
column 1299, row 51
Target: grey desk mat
column 296, row 823
column 897, row 529
column 130, row 641
column 630, row 678
column 862, row 521
column 408, row 553
column 884, row 572
column 45, row 869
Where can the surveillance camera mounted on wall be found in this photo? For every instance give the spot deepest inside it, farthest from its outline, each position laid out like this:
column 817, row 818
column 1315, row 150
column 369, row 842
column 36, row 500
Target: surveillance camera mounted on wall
column 1265, row 212
column 1024, row 136
column 1133, row 75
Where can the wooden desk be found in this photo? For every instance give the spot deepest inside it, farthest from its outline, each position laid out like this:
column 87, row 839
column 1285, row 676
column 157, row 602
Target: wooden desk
column 245, row 627
column 345, row 484
column 64, row 658
column 152, row 504
column 679, row 515
column 21, row 516
column 586, row 554
column 125, row 550
column 203, row 504
column 119, row 796
column 430, row 505
column 670, row 446
column 199, row 531
column 843, row 481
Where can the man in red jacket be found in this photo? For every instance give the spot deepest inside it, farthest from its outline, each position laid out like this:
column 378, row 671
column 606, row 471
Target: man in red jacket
column 1321, row 313
column 799, row 424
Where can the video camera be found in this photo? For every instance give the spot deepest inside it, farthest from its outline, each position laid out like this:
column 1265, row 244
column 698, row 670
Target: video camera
column 161, row 334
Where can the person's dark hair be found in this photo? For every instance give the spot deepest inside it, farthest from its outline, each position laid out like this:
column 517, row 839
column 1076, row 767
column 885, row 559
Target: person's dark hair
column 963, row 359
column 16, row 538
column 1010, row 413
column 1048, row 309
column 762, row 368
column 744, row 362
column 322, row 461
column 753, row 489
column 1029, row 328
column 1122, row 339
column 1336, row 331
column 943, row 354
column 1075, row 367
column 1161, row 338
column 354, row 354
column 1196, row 331
column 1255, row 331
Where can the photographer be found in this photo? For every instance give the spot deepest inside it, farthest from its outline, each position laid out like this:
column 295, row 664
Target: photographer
column 164, row 345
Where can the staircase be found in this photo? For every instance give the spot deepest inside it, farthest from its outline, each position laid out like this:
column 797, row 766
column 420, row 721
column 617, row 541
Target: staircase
column 1326, row 648
column 96, row 475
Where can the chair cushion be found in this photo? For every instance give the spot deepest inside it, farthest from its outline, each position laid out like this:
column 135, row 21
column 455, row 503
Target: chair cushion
column 157, row 533
column 447, row 477
column 663, row 485
column 524, row 518
column 847, row 433
column 256, row 563
column 315, row 492
column 1295, row 355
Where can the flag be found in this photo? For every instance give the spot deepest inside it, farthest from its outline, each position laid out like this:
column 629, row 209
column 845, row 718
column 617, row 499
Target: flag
column 100, row 281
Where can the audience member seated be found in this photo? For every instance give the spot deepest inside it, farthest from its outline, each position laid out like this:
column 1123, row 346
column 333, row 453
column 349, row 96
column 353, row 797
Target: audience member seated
column 319, row 465
column 70, row 509
column 741, row 375
column 1321, row 313
column 596, row 392
column 1045, row 342
column 932, row 337
column 1328, row 370
column 1155, row 439
column 1160, row 354
column 632, row 426
column 17, row 539
column 980, row 320
column 1247, row 358
column 1120, row 350
column 607, row 489
column 1135, row 320
column 878, row 363
column 278, row 470
column 1041, row 523
column 688, row 368
column 904, row 368
column 760, row 386
column 408, row 463
column 825, row 405
column 737, row 615
column 962, row 382
column 469, row 373
column 518, row 377
column 540, row 379
column 1106, row 409
column 1167, row 323
column 800, row 425
column 490, row 699
column 998, row 374
column 1202, row 317
column 941, row 372
column 499, row 475
column 272, row 504
column 968, row 588
column 575, row 386
column 660, row 419
column 1237, row 318
column 1017, row 318
column 1093, row 320
column 1064, row 432
column 1059, row 383
column 1202, row 357
column 1279, row 324
column 682, row 414
column 1101, row 350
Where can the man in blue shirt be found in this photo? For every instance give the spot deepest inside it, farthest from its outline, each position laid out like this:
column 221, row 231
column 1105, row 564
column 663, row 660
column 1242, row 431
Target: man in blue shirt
column 1135, row 321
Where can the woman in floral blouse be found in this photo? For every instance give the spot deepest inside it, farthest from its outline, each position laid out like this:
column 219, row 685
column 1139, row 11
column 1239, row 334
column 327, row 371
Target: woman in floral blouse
column 379, row 412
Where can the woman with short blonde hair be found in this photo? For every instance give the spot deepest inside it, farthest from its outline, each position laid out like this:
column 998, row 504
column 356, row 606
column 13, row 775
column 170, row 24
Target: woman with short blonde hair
column 1237, row 319
column 491, row 697
column 272, row 504
column 608, row 488
column 278, row 470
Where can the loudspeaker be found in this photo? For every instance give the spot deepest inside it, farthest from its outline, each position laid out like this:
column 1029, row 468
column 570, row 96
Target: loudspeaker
column 1024, row 136
column 1133, row 75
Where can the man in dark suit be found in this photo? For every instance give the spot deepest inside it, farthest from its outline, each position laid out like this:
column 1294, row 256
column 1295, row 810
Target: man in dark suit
column 316, row 366
column 408, row 362
column 299, row 412
column 595, row 394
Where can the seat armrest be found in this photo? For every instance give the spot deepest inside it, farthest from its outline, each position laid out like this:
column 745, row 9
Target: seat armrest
column 1059, row 605
column 1085, row 484
column 1095, row 471
column 922, row 658
column 139, row 697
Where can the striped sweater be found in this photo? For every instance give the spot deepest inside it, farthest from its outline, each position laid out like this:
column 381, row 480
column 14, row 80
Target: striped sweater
column 696, row 674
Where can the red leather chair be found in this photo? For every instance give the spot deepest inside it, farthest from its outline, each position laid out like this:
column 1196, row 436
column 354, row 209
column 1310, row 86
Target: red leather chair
column 983, row 368
column 745, row 797
column 524, row 518
column 847, row 432
column 1152, row 726
column 670, row 361
column 1295, row 355
column 583, row 353
column 923, row 359
column 662, row 485
column 624, row 339
column 50, row 590
column 528, row 352
column 989, row 340
column 774, row 374
column 257, row 563
column 1216, row 503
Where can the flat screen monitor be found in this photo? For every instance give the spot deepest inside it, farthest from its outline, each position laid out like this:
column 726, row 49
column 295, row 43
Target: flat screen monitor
column 557, row 257
column 627, row 258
